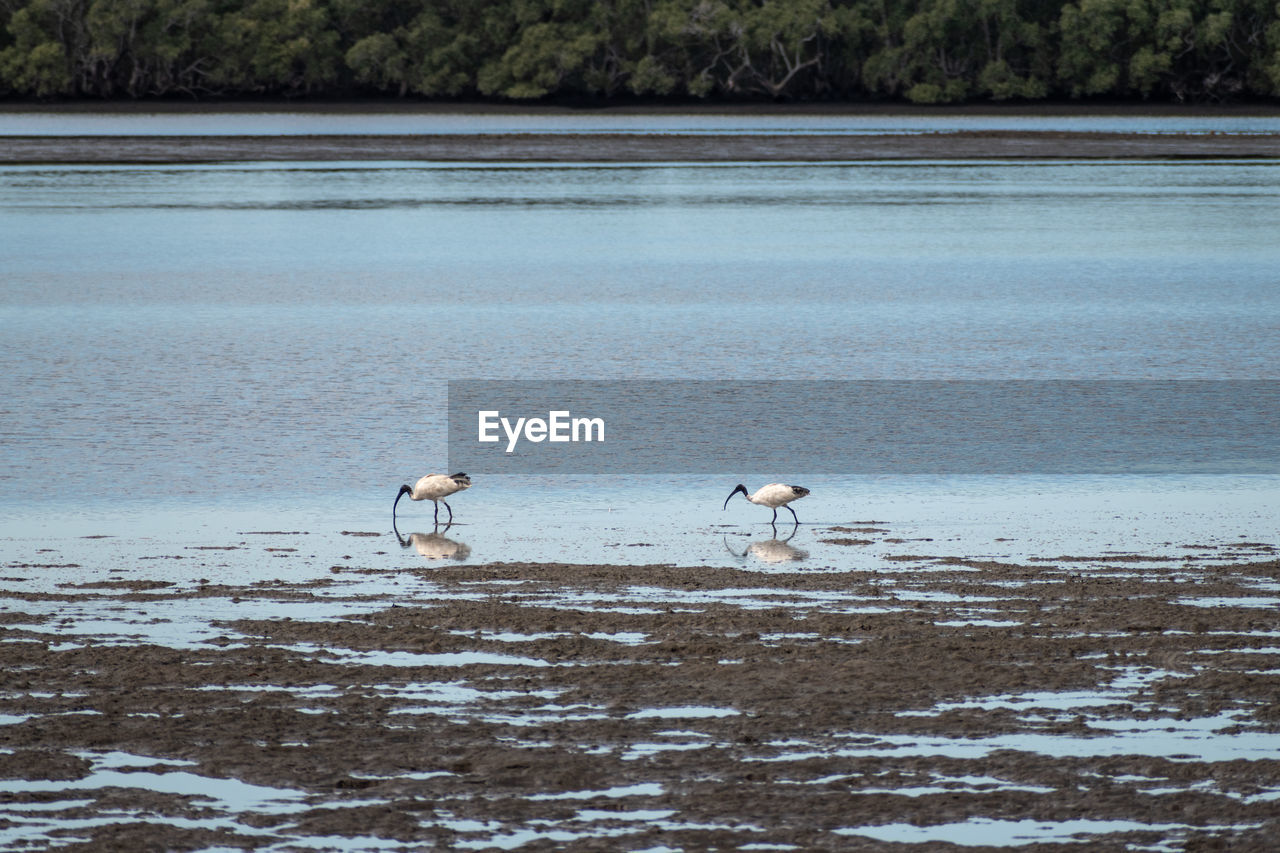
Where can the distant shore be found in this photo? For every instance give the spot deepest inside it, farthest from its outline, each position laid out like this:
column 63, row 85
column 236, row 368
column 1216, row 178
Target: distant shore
column 845, row 108
column 602, row 145
column 635, row 147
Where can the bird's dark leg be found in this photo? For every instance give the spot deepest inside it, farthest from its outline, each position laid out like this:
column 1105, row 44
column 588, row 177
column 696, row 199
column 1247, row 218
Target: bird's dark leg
column 793, row 514
column 775, row 515
column 446, row 506
column 437, row 516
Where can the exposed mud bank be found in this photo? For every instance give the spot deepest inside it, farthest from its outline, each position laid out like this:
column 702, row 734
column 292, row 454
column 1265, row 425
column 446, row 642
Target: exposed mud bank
column 634, row 148
column 594, row 707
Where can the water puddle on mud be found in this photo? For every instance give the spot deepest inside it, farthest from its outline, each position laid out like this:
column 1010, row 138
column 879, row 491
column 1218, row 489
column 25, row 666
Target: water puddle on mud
column 982, row 832
column 29, row 822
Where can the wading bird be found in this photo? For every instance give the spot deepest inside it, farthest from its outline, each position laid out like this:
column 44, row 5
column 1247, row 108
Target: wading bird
column 434, row 488
column 773, row 495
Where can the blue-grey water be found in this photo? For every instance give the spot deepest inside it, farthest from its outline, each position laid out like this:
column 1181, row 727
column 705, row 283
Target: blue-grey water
column 222, row 373
column 191, row 352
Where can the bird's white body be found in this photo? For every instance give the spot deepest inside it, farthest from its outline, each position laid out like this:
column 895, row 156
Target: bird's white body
column 435, row 488
column 773, row 496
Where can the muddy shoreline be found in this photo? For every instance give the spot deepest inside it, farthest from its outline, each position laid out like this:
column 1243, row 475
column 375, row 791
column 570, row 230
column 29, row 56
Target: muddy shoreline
column 634, row 148
column 554, row 706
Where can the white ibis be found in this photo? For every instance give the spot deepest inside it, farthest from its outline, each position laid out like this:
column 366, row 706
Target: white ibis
column 773, row 495
column 434, row 488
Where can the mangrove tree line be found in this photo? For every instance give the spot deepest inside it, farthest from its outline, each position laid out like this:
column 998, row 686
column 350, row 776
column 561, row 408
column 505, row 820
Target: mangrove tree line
column 924, row 51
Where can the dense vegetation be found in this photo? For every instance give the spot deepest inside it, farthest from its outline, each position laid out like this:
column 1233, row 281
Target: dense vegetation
column 926, row 51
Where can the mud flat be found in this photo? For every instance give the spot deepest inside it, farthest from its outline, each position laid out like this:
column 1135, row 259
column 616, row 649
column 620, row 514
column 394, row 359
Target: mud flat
column 635, row 148
column 1121, row 700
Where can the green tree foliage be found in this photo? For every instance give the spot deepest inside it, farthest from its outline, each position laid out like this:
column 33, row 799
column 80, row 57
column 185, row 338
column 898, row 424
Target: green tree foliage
column 553, row 46
column 1188, row 49
column 46, row 36
column 924, row 51
column 147, row 47
column 277, row 46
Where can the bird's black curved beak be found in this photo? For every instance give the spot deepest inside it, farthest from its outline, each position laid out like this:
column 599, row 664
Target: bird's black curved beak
column 404, row 490
column 738, row 488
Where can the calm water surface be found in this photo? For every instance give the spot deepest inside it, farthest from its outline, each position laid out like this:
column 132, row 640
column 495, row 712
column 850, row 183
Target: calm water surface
column 188, row 351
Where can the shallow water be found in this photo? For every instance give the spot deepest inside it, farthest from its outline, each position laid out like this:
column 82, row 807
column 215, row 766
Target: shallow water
column 1161, row 521
column 250, row 347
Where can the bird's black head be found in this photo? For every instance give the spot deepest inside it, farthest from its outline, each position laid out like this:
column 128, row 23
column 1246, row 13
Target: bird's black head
column 736, row 489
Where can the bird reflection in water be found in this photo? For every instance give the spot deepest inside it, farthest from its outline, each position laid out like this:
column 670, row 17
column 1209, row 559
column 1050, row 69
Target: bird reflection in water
column 773, row 550
column 435, row 545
